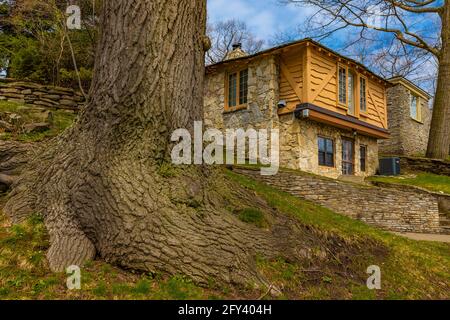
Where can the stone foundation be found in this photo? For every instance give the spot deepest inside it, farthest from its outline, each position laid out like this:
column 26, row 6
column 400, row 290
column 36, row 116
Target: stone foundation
column 299, row 147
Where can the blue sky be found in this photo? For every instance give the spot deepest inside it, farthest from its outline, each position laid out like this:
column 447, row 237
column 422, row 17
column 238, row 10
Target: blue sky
column 264, row 17
column 268, row 17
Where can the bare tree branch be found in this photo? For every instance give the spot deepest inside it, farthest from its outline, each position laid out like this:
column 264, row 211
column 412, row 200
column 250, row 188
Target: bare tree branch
column 224, row 34
column 353, row 12
column 418, row 8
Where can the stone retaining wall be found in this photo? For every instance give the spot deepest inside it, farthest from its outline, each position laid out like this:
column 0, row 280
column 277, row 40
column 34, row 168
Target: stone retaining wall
column 395, row 210
column 424, row 164
column 443, row 199
column 40, row 95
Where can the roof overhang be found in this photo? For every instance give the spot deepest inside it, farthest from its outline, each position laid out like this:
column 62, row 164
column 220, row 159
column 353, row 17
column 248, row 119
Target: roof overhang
column 322, row 115
column 288, row 46
column 411, row 86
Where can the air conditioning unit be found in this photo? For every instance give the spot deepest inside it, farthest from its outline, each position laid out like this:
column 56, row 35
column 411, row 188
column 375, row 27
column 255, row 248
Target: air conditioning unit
column 389, row 166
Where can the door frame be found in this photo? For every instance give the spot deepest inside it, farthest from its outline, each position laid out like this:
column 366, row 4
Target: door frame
column 353, row 155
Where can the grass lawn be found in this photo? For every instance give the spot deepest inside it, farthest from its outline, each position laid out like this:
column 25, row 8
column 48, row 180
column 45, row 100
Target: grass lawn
column 410, row 269
column 432, row 182
column 24, row 273
column 62, row 119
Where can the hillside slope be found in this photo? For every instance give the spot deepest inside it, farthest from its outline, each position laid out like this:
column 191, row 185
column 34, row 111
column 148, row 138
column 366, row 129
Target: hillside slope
column 410, row 269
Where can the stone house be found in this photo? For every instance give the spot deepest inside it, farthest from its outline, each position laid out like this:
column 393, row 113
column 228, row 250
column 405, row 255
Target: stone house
column 409, row 118
column 330, row 110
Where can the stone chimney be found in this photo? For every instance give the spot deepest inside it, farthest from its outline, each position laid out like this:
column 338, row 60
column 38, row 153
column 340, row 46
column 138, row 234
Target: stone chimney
column 237, row 52
column 237, row 46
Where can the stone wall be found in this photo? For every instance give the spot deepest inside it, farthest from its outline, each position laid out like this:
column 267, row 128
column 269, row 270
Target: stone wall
column 299, row 147
column 390, row 209
column 435, row 166
column 407, row 136
column 262, row 99
column 41, row 96
column 298, row 138
column 443, row 199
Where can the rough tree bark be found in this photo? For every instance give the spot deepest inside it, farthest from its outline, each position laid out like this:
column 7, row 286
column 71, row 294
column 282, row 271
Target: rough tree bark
column 100, row 186
column 439, row 140
column 13, row 156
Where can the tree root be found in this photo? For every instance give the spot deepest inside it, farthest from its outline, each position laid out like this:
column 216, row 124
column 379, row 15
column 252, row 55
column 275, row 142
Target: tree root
column 7, row 179
column 14, row 155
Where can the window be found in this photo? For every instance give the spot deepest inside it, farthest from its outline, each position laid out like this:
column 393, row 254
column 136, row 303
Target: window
column 362, row 157
column 415, row 107
column 363, row 94
column 352, row 90
column 351, row 93
column 243, row 86
column 237, row 88
column 326, row 152
column 232, row 87
column 342, row 85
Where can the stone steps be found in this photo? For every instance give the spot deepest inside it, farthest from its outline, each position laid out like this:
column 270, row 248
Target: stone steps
column 353, row 179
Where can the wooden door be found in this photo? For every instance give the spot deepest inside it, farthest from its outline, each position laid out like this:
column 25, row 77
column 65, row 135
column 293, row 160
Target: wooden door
column 348, row 156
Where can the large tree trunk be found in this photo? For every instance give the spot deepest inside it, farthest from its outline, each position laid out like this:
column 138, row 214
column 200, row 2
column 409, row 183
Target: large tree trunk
column 439, row 141
column 103, row 187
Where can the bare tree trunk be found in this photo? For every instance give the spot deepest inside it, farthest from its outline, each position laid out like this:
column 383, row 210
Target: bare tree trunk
column 439, row 141
column 100, row 186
